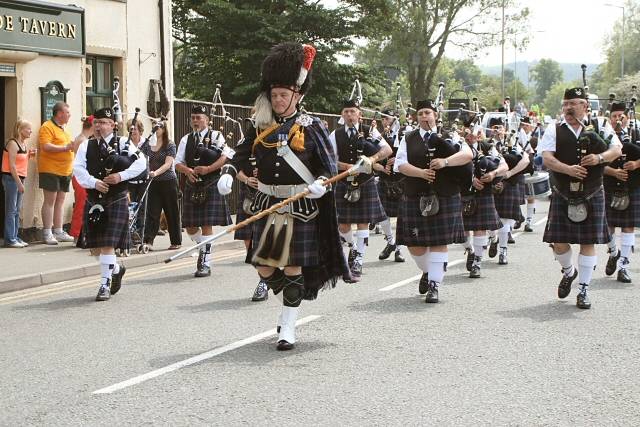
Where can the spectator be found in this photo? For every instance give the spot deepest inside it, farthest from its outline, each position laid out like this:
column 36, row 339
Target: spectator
column 79, row 192
column 137, row 185
column 14, row 170
column 55, row 165
column 163, row 192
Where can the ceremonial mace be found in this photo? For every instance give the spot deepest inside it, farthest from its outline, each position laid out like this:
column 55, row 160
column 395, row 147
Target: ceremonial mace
column 354, row 170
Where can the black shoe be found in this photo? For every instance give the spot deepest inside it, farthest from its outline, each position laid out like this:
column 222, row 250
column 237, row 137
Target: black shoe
column 261, row 293
column 116, row 280
column 284, row 345
column 104, row 293
column 423, row 286
column 398, row 256
column 623, row 276
column 612, row 263
column 517, row 225
column 432, row 293
column 511, row 239
column 564, row 288
column 493, row 248
column 470, row 256
column 386, row 252
column 351, row 258
column 527, row 228
column 502, row 259
column 475, row 272
column 372, row 226
column 582, row 300
column 203, row 272
column 350, row 278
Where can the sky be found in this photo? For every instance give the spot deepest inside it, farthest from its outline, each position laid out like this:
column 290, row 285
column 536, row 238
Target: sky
column 549, row 30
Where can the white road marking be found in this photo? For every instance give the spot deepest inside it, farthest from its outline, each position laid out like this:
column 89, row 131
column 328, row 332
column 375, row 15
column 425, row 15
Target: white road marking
column 196, row 359
column 414, row 278
column 540, row 221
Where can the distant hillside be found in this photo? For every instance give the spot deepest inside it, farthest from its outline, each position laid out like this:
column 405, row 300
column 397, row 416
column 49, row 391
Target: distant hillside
column 569, row 71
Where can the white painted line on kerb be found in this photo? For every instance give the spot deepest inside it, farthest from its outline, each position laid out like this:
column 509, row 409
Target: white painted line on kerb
column 196, row 359
column 414, row 278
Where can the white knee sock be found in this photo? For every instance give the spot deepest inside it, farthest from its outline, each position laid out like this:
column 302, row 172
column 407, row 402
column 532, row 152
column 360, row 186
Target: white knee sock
column 107, row 264
column 531, row 209
column 362, row 236
column 467, row 242
column 347, row 237
column 196, row 237
column 627, row 242
column 437, row 262
column 586, row 265
column 422, row 261
column 503, row 233
column 388, row 234
column 565, row 261
column 479, row 244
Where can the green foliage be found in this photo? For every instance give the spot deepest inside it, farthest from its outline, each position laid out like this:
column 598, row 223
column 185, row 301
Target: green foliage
column 546, row 74
column 225, row 42
column 420, row 31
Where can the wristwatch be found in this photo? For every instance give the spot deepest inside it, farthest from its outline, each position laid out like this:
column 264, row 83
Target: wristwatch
column 600, row 159
column 446, row 162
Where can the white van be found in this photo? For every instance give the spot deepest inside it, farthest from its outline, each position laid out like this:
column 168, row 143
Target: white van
column 594, row 105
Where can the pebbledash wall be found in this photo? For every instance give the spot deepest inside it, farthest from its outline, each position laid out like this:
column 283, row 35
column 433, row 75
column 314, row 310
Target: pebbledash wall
column 49, row 50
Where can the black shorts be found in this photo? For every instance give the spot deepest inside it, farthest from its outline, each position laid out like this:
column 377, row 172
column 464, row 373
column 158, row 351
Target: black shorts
column 52, row 182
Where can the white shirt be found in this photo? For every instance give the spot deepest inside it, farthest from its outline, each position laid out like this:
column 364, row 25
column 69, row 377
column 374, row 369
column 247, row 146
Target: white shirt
column 523, row 141
column 548, row 142
column 216, row 138
column 401, row 155
column 373, row 133
column 85, row 179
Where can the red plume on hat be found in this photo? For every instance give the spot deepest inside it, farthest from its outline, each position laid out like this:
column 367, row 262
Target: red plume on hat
column 309, row 56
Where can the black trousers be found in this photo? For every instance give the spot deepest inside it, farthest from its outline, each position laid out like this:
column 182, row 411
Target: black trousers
column 163, row 196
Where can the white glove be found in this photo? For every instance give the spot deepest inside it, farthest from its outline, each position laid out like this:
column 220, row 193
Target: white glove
column 225, row 183
column 316, row 190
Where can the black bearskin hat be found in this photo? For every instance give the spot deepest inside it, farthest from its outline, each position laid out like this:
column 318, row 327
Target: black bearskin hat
column 281, row 67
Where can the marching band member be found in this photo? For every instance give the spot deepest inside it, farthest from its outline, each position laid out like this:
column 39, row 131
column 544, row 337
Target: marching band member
column 622, row 196
column 200, row 156
column 357, row 198
column 389, row 188
column 525, row 134
column 297, row 249
column 575, row 154
column 430, row 216
column 103, row 168
column 478, row 207
column 508, row 197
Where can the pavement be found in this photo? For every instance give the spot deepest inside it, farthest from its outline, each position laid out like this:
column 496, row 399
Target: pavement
column 170, row 349
column 40, row 264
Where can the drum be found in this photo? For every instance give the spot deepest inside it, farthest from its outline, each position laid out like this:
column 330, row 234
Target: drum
column 537, row 185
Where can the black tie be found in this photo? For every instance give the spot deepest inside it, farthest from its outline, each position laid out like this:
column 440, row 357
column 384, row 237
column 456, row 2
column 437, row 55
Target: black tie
column 352, row 133
column 197, row 138
column 426, row 137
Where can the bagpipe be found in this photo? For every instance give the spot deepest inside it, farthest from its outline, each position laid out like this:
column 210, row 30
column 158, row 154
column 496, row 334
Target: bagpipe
column 116, row 159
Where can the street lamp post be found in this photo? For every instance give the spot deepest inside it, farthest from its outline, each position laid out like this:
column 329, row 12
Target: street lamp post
column 621, row 37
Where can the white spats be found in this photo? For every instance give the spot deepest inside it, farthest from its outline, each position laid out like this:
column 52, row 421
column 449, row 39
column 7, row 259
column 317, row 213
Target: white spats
column 288, row 319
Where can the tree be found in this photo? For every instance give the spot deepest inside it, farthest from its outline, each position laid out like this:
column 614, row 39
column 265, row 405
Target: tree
column 422, row 29
column 546, row 73
column 224, row 42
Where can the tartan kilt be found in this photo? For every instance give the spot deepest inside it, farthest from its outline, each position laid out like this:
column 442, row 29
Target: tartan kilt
column 629, row 217
column 115, row 234
column 245, row 232
column 560, row 229
column 485, row 217
column 444, row 228
column 214, row 211
column 389, row 204
column 521, row 189
column 367, row 210
column 508, row 202
column 304, row 249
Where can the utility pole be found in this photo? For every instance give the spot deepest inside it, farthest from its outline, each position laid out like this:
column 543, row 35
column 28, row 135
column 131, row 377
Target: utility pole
column 502, row 42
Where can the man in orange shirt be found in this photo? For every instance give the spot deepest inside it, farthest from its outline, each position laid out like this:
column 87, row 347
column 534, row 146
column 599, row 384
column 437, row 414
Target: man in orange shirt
column 55, row 165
